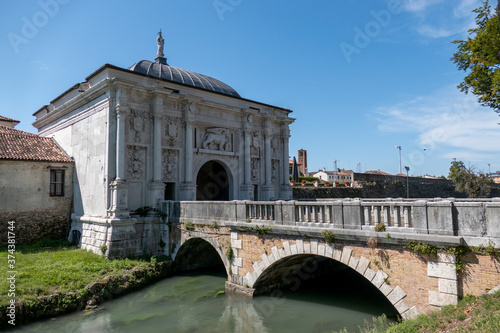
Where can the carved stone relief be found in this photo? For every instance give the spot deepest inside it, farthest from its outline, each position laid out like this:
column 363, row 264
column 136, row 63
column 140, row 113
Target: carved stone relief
column 255, row 169
column 255, row 146
column 275, row 166
column 171, row 130
column 137, row 122
column 136, row 162
column 275, row 146
column 216, row 138
column 169, row 162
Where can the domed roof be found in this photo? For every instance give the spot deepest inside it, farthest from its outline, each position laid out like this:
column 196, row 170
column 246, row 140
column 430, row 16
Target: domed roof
column 162, row 70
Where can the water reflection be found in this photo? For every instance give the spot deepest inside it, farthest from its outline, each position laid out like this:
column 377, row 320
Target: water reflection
column 192, row 303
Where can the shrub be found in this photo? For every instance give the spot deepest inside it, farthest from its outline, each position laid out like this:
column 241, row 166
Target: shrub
column 379, row 227
column 189, row 226
column 328, row 236
column 421, row 248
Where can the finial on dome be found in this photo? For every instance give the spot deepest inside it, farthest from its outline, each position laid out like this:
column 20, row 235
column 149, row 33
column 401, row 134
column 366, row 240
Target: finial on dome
column 160, row 57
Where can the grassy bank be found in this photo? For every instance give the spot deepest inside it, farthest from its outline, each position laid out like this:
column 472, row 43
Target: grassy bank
column 54, row 278
column 53, row 266
column 472, row 314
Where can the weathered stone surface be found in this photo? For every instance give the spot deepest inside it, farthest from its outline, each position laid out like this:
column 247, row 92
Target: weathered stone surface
column 362, row 265
column 448, row 286
column 369, row 274
column 353, row 263
column 385, row 289
column 411, row 313
column 346, row 255
column 441, row 270
column 379, row 278
column 401, row 306
column 396, row 295
column 441, row 299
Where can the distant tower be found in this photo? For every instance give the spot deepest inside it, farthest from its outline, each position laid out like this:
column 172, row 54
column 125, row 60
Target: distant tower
column 303, row 161
column 358, row 167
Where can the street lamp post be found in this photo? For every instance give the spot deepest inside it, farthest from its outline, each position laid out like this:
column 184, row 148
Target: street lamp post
column 400, row 170
column 407, row 183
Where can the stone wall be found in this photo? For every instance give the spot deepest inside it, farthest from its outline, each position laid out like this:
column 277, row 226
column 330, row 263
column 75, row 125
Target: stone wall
column 36, row 224
column 25, row 199
column 376, row 186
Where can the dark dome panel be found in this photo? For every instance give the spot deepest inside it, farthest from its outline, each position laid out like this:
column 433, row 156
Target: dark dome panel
column 166, row 72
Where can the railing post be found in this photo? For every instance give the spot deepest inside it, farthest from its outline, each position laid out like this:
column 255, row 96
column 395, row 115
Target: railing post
column 440, row 217
column 278, row 212
column 288, row 210
column 367, row 215
column 241, row 211
column 419, row 209
column 352, row 214
column 387, row 215
column 492, row 214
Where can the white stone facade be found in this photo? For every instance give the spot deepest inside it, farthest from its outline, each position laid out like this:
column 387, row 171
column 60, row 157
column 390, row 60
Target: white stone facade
column 137, row 139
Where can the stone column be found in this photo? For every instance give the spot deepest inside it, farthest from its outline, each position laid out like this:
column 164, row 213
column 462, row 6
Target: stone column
column 267, row 189
column 188, row 187
column 156, row 187
column 246, row 189
column 119, row 186
column 286, row 189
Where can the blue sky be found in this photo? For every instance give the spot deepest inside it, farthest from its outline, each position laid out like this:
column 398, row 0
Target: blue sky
column 361, row 76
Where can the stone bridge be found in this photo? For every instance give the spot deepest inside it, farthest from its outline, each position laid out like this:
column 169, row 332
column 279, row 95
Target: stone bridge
column 266, row 245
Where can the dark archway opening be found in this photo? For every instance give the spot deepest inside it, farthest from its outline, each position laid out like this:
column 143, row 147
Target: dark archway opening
column 212, row 182
column 317, row 279
column 197, row 254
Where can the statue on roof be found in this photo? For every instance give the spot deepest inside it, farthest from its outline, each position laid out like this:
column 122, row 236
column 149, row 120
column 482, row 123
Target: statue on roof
column 160, row 41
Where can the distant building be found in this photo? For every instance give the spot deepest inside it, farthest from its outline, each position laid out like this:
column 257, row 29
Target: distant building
column 341, row 175
column 36, row 188
column 378, row 172
column 303, row 161
column 8, row 122
column 495, row 177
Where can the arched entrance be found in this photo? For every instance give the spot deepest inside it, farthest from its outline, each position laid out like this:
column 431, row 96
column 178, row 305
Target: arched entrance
column 212, row 182
column 197, row 253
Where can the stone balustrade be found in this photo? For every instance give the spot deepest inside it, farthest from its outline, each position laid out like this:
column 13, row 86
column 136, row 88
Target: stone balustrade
column 447, row 217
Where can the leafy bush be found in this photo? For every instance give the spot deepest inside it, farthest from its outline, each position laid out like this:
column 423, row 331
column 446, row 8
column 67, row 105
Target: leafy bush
column 421, row 248
column 328, row 236
column 379, row 227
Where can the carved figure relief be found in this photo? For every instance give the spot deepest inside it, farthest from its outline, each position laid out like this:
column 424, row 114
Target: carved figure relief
column 136, row 161
column 169, row 160
column 255, row 146
column 216, row 138
column 275, row 166
column 255, row 169
column 137, row 124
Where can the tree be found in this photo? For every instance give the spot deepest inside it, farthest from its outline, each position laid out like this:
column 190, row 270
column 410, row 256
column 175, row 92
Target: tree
column 468, row 181
column 479, row 56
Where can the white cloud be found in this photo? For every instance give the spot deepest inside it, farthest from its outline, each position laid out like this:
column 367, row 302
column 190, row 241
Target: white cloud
column 419, row 5
column 441, row 19
column 446, row 121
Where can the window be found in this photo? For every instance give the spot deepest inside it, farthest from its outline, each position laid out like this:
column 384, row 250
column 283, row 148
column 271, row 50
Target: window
column 56, row 183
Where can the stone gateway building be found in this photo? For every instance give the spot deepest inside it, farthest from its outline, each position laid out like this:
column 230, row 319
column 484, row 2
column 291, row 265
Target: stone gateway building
column 155, row 132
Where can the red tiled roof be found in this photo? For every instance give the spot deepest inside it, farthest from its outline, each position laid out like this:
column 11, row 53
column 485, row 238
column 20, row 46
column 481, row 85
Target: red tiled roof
column 20, row 145
column 2, row 118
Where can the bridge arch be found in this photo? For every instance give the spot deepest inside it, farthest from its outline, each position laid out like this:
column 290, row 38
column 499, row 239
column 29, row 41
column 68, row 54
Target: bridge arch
column 344, row 255
column 195, row 247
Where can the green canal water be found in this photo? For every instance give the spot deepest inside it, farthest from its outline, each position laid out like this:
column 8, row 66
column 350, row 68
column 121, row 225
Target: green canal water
column 194, row 303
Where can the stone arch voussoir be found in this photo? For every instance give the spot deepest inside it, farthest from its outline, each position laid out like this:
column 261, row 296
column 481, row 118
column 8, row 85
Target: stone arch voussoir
column 395, row 295
column 206, row 237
